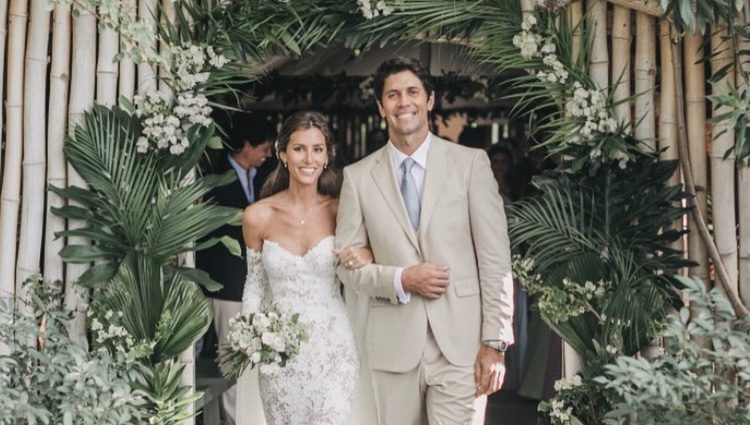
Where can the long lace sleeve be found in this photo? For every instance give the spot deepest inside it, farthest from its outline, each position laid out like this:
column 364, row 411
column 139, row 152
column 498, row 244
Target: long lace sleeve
column 255, row 283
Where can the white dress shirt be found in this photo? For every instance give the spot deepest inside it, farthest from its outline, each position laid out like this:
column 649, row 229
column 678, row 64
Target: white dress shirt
column 246, row 177
column 418, row 172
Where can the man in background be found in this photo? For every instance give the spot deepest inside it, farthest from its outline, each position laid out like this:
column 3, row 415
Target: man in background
column 248, row 145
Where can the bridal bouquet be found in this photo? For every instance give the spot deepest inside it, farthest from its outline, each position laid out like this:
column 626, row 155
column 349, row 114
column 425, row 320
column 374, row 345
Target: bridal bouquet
column 267, row 337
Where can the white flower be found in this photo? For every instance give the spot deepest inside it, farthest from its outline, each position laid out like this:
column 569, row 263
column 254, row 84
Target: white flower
column 141, row 146
column 176, row 149
column 261, row 323
column 274, row 341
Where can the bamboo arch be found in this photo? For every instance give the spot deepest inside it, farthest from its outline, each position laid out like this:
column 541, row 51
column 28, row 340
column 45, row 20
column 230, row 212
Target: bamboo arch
column 42, row 104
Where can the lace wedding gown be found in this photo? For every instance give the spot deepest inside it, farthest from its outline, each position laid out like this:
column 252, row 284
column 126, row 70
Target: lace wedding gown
column 318, row 385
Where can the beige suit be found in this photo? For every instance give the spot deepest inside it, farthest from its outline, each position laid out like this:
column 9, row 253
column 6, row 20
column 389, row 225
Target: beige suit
column 462, row 225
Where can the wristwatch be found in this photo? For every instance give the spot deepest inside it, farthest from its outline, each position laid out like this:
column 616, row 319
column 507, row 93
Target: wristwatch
column 498, row 345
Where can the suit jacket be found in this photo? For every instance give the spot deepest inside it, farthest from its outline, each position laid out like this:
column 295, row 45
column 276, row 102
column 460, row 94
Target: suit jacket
column 462, row 224
column 217, row 261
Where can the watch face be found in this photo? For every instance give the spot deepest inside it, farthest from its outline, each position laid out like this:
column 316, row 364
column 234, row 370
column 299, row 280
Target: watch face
column 497, row 345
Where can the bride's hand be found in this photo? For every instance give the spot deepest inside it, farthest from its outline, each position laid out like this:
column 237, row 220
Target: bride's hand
column 354, row 257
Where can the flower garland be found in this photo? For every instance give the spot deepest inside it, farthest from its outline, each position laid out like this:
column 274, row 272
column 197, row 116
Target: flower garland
column 592, row 119
column 373, row 9
column 560, row 304
column 166, row 124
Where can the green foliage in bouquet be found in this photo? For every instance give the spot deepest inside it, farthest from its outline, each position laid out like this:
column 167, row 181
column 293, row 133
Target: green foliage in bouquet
column 701, row 378
column 49, row 379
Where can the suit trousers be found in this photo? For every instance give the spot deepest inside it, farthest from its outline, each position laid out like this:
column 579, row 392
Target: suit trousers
column 435, row 392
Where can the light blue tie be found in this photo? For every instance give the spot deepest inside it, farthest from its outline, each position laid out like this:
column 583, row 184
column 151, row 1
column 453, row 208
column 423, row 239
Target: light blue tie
column 409, row 192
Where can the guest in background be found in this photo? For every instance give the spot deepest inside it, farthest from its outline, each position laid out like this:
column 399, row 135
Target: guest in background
column 376, row 139
column 475, row 137
column 501, row 162
column 248, row 145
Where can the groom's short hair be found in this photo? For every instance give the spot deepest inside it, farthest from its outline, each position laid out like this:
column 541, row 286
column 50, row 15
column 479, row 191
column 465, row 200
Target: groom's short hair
column 398, row 64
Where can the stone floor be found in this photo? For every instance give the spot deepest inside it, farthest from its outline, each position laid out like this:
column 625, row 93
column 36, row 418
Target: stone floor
column 508, row 408
column 503, row 407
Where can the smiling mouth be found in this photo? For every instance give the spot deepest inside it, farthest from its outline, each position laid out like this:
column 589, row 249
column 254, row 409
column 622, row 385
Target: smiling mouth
column 405, row 115
column 307, row 170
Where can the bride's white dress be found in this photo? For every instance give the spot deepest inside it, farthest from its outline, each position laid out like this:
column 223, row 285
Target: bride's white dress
column 318, row 385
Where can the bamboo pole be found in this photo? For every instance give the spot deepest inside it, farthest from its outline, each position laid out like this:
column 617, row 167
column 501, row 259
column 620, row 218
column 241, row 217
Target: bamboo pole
column 645, row 77
column 107, row 68
column 743, row 187
column 11, row 189
column 187, row 357
column 722, row 170
column 527, row 8
column 649, row 7
column 57, row 121
column 621, row 41
column 667, row 118
column 146, row 72
column 695, row 111
column 82, row 85
column 597, row 25
column 700, row 221
column 127, row 68
column 572, row 362
column 31, row 233
column 3, row 38
column 575, row 16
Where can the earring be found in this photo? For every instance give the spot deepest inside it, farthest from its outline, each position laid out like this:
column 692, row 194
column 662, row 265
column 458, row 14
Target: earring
column 285, row 166
column 325, row 165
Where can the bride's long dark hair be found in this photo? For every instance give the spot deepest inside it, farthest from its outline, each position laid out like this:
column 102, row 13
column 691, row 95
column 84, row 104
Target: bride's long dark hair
column 329, row 182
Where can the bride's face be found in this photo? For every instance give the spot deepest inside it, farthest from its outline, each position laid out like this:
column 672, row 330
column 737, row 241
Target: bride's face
column 306, row 155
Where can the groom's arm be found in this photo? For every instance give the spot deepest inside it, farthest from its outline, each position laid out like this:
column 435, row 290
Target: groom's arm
column 374, row 280
column 490, row 234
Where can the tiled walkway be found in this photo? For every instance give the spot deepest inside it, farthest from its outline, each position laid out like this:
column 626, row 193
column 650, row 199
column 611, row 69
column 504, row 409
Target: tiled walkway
column 508, row 408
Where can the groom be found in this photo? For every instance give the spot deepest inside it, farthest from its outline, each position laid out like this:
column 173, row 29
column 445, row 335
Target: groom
column 433, row 312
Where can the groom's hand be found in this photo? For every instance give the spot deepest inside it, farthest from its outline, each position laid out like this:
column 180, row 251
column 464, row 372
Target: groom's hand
column 489, row 370
column 426, row 280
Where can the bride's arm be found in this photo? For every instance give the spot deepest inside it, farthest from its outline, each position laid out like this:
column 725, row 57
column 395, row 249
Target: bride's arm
column 253, row 224
column 355, row 256
column 255, row 283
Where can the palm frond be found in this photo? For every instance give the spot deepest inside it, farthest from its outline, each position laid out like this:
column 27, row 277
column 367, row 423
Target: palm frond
column 185, row 317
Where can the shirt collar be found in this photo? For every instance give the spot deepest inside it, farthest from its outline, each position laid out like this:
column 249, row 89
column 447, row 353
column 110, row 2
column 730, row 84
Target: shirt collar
column 237, row 167
column 419, row 156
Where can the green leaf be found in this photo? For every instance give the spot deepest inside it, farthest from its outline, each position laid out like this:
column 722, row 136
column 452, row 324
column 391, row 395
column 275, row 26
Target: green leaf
column 232, row 245
column 97, row 275
column 81, row 253
column 215, row 143
column 198, row 276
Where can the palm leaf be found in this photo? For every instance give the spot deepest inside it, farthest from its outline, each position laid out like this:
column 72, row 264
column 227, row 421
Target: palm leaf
column 185, row 317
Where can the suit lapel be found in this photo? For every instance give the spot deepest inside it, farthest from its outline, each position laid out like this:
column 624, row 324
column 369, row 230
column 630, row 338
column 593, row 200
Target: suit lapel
column 382, row 173
column 438, row 170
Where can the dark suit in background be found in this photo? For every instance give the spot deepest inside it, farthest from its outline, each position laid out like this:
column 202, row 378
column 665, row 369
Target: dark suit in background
column 248, row 146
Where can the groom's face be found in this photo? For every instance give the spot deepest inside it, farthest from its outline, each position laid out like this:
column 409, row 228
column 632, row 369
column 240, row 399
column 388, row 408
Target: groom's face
column 405, row 105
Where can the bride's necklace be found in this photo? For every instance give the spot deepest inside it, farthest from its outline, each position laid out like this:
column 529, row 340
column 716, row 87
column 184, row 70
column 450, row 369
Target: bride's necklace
column 300, row 221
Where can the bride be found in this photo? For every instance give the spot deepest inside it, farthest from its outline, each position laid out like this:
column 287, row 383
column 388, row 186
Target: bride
column 291, row 262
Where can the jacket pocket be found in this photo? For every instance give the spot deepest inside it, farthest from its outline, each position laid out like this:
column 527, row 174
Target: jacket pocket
column 467, row 287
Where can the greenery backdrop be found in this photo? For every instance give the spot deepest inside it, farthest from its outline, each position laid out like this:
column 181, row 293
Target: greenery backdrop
column 590, row 237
